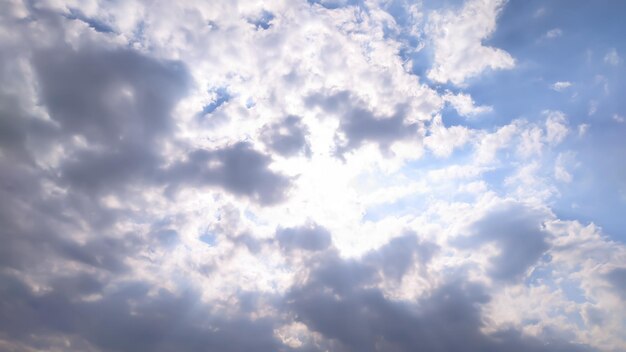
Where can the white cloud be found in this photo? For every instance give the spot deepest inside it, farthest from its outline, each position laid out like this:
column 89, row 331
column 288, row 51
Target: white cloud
column 593, row 107
column 582, row 129
column 561, row 85
column 612, row 57
column 465, row 105
column 553, row 33
column 556, row 127
column 442, row 140
column 457, row 39
column 563, row 161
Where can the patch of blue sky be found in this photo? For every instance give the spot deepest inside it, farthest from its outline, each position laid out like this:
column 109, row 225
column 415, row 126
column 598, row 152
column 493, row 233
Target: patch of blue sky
column 540, row 275
column 250, row 103
column 335, row 4
column 252, row 217
column 221, row 97
column 96, row 24
column 573, row 292
column 208, row 238
column 586, row 27
column 263, row 21
column 584, row 35
column 421, row 62
column 438, row 5
column 167, row 237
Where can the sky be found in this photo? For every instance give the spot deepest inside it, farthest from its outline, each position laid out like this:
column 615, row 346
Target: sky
column 309, row 176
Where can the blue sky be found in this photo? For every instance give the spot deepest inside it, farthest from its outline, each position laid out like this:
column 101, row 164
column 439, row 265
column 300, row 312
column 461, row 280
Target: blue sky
column 308, row 176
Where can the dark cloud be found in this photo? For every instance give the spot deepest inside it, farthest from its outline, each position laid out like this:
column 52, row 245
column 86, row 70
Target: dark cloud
column 397, row 256
column 127, row 318
column 120, row 102
column 109, row 121
column 309, row 237
column 237, row 168
column 340, row 301
column 40, row 227
column 617, row 277
column 287, row 137
column 518, row 232
column 110, row 96
column 359, row 125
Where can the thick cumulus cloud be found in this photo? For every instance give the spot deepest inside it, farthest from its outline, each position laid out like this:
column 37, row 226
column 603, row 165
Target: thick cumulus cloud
column 518, row 233
column 287, row 137
column 328, row 197
column 311, row 238
column 358, row 125
column 109, row 96
column 340, row 301
column 126, row 318
column 617, row 277
column 120, row 102
column 458, row 38
column 237, row 168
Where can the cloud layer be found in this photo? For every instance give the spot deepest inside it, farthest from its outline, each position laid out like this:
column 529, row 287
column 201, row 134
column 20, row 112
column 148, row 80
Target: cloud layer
column 310, row 176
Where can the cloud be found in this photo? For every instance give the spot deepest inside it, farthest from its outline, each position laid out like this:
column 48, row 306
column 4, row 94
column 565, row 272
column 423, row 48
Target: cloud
column 125, row 318
column 309, row 237
column 457, row 39
column 465, row 105
column 617, row 277
column 110, row 96
column 560, row 168
column 612, row 57
column 553, row 33
column 443, row 140
column 400, row 254
column 517, row 232
column 338, row 302
column 561, row 86
column 556, row 127
column 359, row 125
column 237, row 168
column 165, row 172
column 287, row 137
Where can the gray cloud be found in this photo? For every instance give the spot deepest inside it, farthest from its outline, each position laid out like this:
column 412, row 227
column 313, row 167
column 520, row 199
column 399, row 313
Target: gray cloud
column 340, row 301
column 126, row 318
column 517, row 231
column 120, row 102
column 617, row 277
column 287, row 137
column 399, row 254
column 309, row 237
column 360, row 125
column 110, row 96
column 237, row 168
